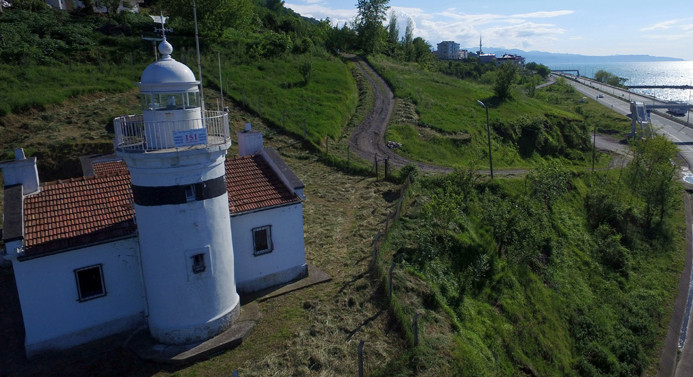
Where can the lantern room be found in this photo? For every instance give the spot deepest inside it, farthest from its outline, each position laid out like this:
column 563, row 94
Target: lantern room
column 173, row 113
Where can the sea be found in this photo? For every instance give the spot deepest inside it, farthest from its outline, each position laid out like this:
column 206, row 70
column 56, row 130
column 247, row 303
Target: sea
column 645, row 73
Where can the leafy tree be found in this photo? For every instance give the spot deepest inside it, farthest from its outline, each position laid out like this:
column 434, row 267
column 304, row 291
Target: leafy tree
column 609, row 78
column 392, row 30
column 214, row 15
column 305, row 68
column 421, row 51
column 409, row 39
column 505, row 75
column 369, row 24
column 652, row 174
column 110, row 5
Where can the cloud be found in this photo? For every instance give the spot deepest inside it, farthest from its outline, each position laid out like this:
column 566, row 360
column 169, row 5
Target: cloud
column 661, row 25
column 451, row 24
column 317, row 9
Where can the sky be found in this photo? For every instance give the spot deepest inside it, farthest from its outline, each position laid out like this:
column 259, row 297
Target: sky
column 586, row 27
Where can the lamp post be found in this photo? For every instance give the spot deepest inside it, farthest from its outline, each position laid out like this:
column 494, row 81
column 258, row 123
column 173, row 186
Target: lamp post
column 488, row 133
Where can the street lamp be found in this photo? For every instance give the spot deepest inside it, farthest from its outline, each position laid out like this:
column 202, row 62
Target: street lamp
column 488, row 133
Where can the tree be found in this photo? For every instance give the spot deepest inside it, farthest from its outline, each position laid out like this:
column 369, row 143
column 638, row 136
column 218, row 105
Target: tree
column 653, row 176
column 369, row 24
column 305, row 68
column 215, row 15
column 505, row 75
column 392, row 30
column 609, row 78
column 408, row 39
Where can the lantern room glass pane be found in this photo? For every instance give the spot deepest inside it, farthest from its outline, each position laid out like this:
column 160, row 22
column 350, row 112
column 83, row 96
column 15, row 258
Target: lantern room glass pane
column 193, row 99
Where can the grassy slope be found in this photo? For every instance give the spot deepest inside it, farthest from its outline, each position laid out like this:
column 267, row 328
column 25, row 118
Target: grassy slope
column 447, row 125
column 276, row 89
column 552, row 322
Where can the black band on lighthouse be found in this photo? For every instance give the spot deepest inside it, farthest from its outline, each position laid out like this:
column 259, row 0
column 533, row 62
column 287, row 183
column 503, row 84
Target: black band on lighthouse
column 159, row 196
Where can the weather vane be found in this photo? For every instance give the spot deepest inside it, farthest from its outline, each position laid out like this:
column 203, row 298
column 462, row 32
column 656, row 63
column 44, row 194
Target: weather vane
column 161, row 20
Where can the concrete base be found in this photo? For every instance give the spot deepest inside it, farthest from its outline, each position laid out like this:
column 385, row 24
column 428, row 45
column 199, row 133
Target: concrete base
column 148, row 348
column 198, row 333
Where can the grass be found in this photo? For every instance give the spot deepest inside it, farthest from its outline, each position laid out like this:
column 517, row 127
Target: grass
column 30, row 87
column 558, row 320
column 438, row 119
column 276, row 90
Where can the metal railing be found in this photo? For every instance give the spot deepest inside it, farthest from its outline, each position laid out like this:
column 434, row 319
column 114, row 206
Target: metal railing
column 133, row 134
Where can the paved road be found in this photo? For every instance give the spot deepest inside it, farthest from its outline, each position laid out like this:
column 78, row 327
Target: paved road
column 682, row 135
column 617, row 99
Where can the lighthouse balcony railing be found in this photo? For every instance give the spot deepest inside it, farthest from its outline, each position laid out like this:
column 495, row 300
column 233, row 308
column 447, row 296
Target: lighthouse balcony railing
column 134, row 134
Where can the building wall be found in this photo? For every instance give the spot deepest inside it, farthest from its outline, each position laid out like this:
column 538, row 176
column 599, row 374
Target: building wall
column 55, row 319
column 286, row 262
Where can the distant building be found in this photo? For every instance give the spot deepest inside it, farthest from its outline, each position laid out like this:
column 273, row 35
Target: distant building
column 125, row 5
column 448, row 50
column 487, row 58
column 509, row 58
column 463, row 54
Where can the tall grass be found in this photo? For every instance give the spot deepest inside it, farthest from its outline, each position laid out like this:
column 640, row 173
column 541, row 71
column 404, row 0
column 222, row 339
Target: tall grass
column 277, row 90
column 25, row 87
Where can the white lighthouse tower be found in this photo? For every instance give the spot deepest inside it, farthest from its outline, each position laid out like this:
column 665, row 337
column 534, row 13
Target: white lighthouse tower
column 175, row 153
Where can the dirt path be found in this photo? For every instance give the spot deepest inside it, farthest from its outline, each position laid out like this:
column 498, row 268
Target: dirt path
column 368, row 139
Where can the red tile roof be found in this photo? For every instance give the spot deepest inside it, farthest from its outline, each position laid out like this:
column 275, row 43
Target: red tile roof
column 78, row 212
column 108, row 168
column 252, row 184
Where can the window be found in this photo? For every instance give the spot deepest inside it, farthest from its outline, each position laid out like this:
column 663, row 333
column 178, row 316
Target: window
column 262, row 240
column 90, row 282
column 190, row 193
column 198, row 263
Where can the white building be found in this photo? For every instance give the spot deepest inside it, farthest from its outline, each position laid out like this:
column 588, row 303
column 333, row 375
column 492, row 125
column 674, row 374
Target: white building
column 448, row 50
column 125, row 5
column 162, row 236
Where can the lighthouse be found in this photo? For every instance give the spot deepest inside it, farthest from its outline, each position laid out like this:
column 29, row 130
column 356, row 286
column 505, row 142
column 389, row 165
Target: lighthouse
column 175, row 153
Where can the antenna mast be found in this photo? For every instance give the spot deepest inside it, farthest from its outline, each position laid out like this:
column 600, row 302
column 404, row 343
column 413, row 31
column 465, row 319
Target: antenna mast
column 199, row 63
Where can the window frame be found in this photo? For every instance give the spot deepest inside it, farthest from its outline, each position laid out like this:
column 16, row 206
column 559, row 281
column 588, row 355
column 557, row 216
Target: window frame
column 199, row 263
column 80, row 296
column 268, row 240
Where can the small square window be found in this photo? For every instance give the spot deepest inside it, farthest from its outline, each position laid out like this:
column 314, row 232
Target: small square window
column 90, row 282
column 190, row 193
column 198, row 263
column 262, row 240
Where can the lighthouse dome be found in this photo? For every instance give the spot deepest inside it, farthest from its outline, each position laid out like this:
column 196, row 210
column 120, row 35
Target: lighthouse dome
column 167, row 71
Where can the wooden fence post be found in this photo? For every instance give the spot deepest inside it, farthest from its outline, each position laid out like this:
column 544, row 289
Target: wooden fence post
column 389, row 295
column 375, row 249
column 416, row 329
column 360, row 352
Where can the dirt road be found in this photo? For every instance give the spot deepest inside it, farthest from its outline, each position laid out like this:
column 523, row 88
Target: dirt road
column 368, row 139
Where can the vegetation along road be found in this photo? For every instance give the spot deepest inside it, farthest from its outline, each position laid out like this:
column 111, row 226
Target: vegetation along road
column 681, row 135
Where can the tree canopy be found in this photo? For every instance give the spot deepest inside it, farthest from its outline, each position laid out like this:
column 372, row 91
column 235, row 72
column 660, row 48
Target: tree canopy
column 369, row 24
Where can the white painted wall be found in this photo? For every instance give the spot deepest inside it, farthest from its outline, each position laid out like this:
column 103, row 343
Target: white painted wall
column 53, row 316
column 288, row 259
column 185, row 307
